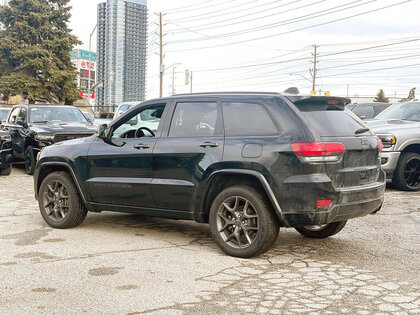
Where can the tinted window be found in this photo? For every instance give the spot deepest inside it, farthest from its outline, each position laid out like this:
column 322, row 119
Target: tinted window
column 334, row 123
column 365, row 112
column 195, row 119
column 247, row 119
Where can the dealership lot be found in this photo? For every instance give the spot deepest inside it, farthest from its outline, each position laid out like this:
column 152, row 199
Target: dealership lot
column 128, row 264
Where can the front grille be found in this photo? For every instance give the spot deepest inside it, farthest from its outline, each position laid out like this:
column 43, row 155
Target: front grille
column 61, row 137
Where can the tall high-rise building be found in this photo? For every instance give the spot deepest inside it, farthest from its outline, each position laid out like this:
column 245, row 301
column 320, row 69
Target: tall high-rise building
column 122, row 52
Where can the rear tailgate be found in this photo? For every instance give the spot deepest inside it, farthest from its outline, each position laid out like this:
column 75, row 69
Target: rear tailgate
column 360, row 163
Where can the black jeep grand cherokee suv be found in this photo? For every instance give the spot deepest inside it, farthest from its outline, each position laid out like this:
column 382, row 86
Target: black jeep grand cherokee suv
column 246, row 163
column 34, row 127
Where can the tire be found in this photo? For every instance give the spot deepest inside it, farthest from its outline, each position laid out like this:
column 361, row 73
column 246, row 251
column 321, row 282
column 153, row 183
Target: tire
column 68, row 213
column 407, row 173
column 6, row 171
column 30, row 161
column 257, row 220
column 321, row 231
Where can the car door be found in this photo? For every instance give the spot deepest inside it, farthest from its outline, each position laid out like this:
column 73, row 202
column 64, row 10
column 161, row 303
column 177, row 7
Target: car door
column 15, row 125
column 188, row 152
column 120, row 167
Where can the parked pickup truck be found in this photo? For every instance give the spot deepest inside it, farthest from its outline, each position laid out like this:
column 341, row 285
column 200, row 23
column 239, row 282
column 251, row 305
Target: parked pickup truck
column 33, row 127
column 398, row 127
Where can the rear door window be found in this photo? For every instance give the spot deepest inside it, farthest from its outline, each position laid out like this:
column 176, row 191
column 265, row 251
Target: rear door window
column 247, row 119
column 195, row 119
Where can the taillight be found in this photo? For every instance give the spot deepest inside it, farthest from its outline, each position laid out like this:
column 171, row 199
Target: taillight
column 380, row 145
column 315, row 152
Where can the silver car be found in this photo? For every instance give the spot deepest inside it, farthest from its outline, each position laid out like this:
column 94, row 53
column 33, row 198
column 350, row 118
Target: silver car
column 398, row 127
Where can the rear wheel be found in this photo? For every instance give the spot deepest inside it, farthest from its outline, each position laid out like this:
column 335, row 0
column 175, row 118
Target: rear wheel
column 242, row 222
column 6, row 171
column 59, row 201
column 30, row 160
column 407, row 173
column 321, row 231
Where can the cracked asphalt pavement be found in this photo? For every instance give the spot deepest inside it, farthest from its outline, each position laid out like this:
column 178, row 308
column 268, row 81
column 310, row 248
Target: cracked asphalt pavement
column 130, row 264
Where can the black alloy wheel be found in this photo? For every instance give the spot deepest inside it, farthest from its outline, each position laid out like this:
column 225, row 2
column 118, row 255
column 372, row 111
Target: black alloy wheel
column 407, row 174
column 59, row 201
column 30, row 161
column 242, row 222
column 322, row 230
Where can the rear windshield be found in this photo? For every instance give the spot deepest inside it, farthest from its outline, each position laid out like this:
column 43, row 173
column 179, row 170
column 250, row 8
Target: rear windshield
column 334, row 123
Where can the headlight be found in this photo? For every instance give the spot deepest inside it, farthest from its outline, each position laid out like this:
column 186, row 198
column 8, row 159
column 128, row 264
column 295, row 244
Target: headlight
column 44, row 137
column 5, row 137
column 388, row 140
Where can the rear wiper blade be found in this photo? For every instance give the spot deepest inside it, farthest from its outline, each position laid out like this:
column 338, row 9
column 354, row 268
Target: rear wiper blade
column 40, row 122
column 361, row 130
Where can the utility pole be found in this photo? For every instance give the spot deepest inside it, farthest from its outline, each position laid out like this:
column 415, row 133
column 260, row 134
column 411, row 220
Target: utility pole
column 191, row 77
column 160, row 55
column 314, row 70
column 173, row 80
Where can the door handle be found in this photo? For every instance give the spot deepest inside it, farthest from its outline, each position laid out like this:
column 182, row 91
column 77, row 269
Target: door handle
column 141, row 146
column 209, row 144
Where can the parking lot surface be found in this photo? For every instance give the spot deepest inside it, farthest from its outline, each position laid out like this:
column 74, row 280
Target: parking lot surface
column 130, row 264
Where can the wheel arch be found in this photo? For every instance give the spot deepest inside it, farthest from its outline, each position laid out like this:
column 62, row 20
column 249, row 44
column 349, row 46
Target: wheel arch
column 50, row 167
column 414, row 147
column 221, row 179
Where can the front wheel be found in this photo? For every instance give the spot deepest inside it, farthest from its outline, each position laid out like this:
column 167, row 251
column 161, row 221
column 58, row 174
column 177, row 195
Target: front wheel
column 407, row 173
column 321, row 231
column 30, row 160
column 6, row 171
column 59, row 201
column 242, row 222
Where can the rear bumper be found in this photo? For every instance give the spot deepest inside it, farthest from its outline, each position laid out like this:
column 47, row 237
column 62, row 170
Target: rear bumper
column 349, row 202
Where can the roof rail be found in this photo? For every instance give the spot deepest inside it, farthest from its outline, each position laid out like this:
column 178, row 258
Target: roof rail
column 231, row 92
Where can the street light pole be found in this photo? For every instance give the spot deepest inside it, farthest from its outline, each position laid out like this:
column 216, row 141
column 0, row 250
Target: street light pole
column 90, row 57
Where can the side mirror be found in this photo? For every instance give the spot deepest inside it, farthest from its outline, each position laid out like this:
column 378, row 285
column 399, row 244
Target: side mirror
column 102, row 131
column 20, row 121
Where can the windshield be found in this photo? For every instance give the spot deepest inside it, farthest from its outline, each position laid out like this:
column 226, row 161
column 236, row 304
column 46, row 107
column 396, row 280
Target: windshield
column 404, row 111
column 56, row 114
column 4, row 112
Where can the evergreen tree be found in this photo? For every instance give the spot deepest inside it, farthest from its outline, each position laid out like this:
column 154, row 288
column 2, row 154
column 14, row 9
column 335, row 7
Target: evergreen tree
column 380, row 97
column 35, row 45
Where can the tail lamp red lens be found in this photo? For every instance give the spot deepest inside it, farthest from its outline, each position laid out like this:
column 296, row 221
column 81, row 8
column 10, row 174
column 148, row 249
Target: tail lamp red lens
column 315, row 152
column 323, row 203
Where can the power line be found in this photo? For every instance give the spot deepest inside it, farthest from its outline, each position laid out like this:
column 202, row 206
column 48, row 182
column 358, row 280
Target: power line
column 214, row 24
column 372, row 70
column 295, row 30
column 282, row 23
column 203, row 16
column 188, row 8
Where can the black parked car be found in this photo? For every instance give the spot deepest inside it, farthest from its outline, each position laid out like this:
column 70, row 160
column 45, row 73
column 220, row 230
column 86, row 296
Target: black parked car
column 5, row 153
column 34, row 127
column 246, row 163
column 367, row 110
